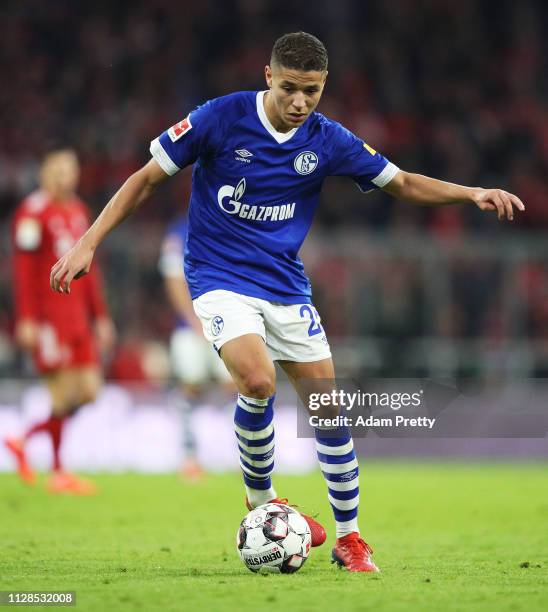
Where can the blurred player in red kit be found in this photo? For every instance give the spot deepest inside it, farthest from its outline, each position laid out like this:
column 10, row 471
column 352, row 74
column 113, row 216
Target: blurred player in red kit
column 63, row 336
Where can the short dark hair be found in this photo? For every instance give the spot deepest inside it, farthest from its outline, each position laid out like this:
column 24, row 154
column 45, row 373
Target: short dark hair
column 300, row 51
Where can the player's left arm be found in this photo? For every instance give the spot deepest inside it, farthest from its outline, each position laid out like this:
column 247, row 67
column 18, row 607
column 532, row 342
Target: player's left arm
column 426, row 191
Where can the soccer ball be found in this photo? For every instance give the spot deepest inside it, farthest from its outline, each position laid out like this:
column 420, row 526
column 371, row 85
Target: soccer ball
column 273, row 538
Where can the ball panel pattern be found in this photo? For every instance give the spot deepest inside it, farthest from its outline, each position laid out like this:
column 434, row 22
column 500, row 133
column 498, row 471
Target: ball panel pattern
column 273, row 538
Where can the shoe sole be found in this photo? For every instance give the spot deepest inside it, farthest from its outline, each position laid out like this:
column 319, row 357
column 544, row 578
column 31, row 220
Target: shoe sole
column 337, row 560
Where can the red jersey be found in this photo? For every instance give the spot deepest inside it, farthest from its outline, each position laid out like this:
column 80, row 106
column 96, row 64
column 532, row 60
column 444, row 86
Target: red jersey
column 44, row 230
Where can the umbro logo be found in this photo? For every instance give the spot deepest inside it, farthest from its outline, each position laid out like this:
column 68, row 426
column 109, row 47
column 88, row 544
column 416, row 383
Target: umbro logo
column 243, row 155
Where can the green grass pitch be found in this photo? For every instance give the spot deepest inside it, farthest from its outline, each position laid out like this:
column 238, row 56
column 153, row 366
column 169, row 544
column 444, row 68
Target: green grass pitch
column 446, row 537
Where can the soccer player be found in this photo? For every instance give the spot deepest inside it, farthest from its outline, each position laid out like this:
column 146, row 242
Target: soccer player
column 260, row 159
column 193, row 360
column 57, row 332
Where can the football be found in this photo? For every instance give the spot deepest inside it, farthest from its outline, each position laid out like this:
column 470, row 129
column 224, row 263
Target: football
column 273, row 538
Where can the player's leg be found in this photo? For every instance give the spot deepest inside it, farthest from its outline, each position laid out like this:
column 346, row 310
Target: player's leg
column 245, row 357
column 48, row 358
column 297, row 340
column 58, row 387
column 189, row 359
column 234, row 324
column 250, row 366
column 70, row 389
column 86, row 382
column 71, row 382
column 339, row 466
column 334, row 447
column 77, row 383
column 252, row 370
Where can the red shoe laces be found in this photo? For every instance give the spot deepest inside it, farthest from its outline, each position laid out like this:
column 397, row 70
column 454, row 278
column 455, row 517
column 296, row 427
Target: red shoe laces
column 356, row 547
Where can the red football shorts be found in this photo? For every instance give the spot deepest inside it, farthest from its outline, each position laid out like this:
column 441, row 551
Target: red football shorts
column 57, row 351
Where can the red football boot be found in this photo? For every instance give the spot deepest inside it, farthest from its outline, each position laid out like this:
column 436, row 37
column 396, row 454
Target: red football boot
column 354, row 554
column 65, row 483
column 17, row 449
column 317, row 532
column 191, row 471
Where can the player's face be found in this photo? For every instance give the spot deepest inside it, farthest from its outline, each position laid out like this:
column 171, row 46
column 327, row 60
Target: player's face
column 60, row 174
column 293, row 95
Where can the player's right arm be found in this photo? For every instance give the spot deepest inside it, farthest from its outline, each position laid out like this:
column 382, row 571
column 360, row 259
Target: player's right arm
column 174, row 149
column 77, row 262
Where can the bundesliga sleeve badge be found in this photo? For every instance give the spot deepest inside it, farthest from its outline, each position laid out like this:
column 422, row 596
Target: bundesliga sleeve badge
column 180, row 129
column 28, row 234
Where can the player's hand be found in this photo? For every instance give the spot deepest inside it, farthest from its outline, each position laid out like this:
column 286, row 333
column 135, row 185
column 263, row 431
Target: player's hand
column 73, row 265
column 498, row 199
column 106, row 334
column 26, row 334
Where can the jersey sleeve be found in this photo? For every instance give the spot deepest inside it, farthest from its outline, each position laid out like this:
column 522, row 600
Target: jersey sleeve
column 351, row 156
column 27, row 243
column 183, row 143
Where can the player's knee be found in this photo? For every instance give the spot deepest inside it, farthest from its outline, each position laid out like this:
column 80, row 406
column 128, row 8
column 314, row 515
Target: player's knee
column 87, row 388
column 88, row 393
column 60, row 410
column 87, row 396
column 258, row 386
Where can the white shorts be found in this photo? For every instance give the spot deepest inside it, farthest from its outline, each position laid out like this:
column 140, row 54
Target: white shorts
column 193, row 360
column 292, row 332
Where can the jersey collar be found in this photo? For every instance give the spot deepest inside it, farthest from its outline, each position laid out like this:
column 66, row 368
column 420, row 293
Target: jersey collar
column 279, row 137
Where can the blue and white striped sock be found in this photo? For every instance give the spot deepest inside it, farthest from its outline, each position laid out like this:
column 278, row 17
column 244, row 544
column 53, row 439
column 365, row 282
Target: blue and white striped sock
column 255, row 434
column 340, row 469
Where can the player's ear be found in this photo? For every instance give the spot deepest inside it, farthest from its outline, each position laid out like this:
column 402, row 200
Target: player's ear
column 268, row 75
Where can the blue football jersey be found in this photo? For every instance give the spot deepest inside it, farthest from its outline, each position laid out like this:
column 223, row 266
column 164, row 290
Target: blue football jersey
column 255, row 190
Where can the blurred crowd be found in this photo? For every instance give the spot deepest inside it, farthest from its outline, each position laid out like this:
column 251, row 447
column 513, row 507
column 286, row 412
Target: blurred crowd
column 454, row 90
